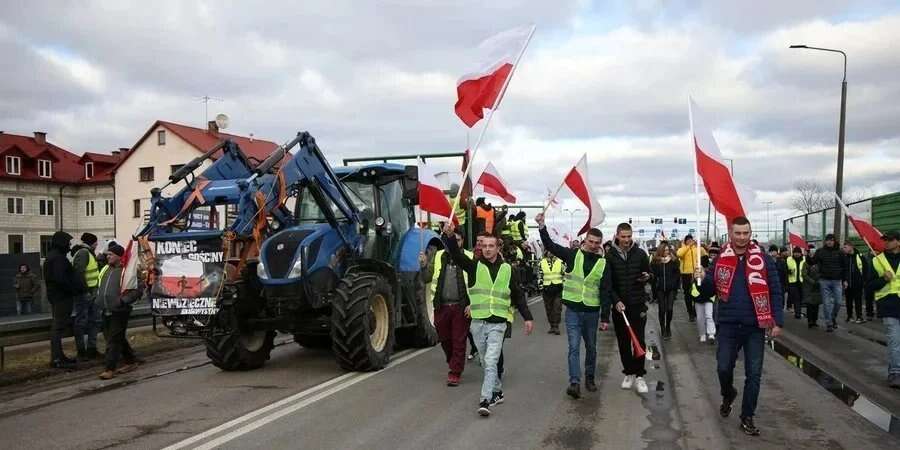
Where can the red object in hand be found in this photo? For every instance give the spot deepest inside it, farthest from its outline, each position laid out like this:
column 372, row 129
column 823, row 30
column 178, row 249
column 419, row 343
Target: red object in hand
column 636, row 348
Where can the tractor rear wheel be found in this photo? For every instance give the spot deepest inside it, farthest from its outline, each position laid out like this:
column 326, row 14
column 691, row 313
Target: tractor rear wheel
column 423, row 334
column 362, row 322
column 231, row 348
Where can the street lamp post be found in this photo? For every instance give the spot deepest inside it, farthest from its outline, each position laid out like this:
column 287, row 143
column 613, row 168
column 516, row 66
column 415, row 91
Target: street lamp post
column 768, row 224
column 572, row 220
column 839, row 183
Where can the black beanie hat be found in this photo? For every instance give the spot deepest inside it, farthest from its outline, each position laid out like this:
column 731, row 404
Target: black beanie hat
column 89, row 238
column 116, row 249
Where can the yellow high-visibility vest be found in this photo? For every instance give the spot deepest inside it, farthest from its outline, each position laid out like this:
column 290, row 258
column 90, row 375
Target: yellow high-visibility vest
column 795, row 274
column 439, row 265
column 553, row 274
column 491, row 297
column 92, row 272
column 882, row 265
column 579, row 288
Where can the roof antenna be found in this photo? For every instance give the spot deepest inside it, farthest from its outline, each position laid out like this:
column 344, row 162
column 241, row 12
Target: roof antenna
column 206, row 99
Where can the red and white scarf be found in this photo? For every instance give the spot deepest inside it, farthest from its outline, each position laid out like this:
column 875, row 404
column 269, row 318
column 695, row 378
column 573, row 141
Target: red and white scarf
column 757, row 280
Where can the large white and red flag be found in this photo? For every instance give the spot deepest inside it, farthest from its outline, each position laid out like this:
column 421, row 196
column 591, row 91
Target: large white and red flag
column 482, row 87
column 578, row 182
column 797, row 241
column 431, row 197
column 493, row 184
column 711, row 168
column 866, row 230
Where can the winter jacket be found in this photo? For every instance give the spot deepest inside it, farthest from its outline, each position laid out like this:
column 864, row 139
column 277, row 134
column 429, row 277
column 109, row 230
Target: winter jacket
column 666, row 276
column 831, row 262
column 704, row 297
column 739, row 307
column 446, row 263
column 626, row 267
column 856, row 271
column 63, row 283
column 688, row 256
column 110, row 295
column 781, row 263
column 812, row 291
column 887, row 306
column 27, row 285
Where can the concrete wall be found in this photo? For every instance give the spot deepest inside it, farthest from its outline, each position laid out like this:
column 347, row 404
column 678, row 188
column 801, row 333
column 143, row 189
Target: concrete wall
column 129, row 187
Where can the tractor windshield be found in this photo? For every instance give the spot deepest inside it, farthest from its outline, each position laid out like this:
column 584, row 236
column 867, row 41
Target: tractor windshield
column 307, row 210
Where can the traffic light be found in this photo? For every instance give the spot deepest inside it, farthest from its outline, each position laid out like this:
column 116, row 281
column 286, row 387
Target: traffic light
column 629, row 220
column 675, row 220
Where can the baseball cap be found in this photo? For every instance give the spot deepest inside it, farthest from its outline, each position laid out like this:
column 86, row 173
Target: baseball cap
column 891, row 236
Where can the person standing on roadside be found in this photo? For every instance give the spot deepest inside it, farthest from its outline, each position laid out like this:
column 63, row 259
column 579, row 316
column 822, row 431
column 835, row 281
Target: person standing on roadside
column 812, row 294
column 63, row 286
column 781, row 264
column 689, row 257
column 745, row 281
column 884, row 281
column 586, row 292
column 796, row 268
column 630, row 272
column 705, row 305
column 494, row 291
column 666, row 271
column 28, row 287
column 116, row 305
column 87, row 312
column 552, row 271
column 833, row 279
column 856, row 279
column 448, row 290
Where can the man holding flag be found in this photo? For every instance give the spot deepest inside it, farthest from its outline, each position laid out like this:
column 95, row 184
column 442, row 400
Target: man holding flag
column 884, row 281
column 745, row 280
column 586, row 294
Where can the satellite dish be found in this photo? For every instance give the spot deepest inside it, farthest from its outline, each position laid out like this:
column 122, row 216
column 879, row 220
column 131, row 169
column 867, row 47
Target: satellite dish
column 222, row 121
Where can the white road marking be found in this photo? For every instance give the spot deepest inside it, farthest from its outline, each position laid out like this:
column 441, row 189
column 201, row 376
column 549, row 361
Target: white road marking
column 287, row 406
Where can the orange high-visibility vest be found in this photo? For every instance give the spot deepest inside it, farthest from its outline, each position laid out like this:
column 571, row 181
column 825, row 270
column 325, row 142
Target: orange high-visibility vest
column 488, row 216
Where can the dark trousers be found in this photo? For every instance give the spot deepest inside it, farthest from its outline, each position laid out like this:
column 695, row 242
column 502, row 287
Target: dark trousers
column 553, row 304
column 732, row 338
column 870, row 303
column 87, row 322
column 854, row 303
column 686, row 280
column 666, row 307
column 117, row 346
column 61, row 311
column 795, row 298
column 812, row 314
column 637, row 316
column 452, row 327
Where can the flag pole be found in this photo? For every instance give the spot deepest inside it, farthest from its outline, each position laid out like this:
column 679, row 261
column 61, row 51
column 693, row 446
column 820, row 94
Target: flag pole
column 696, row 180
column 553, row 197
column 847, row 213
column 491, row 115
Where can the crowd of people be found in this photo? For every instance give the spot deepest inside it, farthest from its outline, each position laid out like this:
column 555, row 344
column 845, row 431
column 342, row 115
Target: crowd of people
column 737, row 294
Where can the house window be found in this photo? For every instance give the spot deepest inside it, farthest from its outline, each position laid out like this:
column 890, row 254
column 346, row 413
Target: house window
column 89, row 208
column 175, row 168
column 14, row 165
column 46, row 207
column 161, row 137
column 146, row 174
column 15, row 205
column 137, row 208
column 16, row 244
column 45, row 168
column 45, row 244
column 109, row 207
column 88, row 170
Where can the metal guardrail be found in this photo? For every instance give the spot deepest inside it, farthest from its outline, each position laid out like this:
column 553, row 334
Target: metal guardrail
column 38, row 329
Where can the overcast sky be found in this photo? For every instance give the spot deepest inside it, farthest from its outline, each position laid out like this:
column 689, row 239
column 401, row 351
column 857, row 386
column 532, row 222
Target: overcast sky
column 372, row 78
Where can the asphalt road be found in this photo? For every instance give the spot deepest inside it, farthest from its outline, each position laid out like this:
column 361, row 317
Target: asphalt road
column 301, row 399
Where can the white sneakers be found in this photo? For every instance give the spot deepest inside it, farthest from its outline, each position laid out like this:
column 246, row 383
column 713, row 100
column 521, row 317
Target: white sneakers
column 712, row 338
column 636, row 382
column 641, row 385
column 628, row 382
column 702, row 338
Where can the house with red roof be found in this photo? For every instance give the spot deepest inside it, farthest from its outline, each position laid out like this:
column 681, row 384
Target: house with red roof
column 45, row 188
column 159, row 152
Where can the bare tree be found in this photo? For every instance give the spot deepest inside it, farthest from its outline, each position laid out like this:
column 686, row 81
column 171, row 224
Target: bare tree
column 811, row 196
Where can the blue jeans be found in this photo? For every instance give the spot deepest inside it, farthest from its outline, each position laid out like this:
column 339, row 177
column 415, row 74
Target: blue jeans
column 489, row 342
column 733, row 337
column 87, row 322
column 892, row 332
column 582, row 325
column 832, row 293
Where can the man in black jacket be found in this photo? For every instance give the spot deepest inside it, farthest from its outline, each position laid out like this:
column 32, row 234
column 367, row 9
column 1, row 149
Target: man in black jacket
column 833, row 279
column 630, row 270
column 116, row 305
column 63, row 285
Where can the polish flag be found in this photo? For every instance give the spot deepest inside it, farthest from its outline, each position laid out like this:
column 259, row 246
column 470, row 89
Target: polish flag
column 483, row 87
column 715, row 174
column 431, row 197
column 578, row 182
column 551, row 200
column 493, row 184
column 797, row 241
column 129, row 263
column 866, row 230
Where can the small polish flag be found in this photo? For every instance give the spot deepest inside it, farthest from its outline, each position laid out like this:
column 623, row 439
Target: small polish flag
column 866, row 230
column 712, row 170
column 493, row 184
column 482, row 88
column 578, row 182
column 797, row 241
column 431, row 197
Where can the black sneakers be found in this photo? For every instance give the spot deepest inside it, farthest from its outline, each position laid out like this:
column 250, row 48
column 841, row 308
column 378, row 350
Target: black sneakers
column 748, row 427
column 574, row 390
column 725, row 409
column 484, row 408
column 497, row 398
column 589, row 385
column 63, row 364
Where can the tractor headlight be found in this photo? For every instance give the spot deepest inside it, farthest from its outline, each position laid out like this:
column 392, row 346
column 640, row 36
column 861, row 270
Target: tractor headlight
column 261, row 271
column 296, row 269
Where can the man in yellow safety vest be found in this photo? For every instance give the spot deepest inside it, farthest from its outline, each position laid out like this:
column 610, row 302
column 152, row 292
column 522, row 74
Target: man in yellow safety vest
column 795, row 265
column 87, row 314
column 493, row 289
column 885, row 283
column 552, row 270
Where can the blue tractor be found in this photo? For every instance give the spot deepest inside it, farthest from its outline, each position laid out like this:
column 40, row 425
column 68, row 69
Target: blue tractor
column 329, row 256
